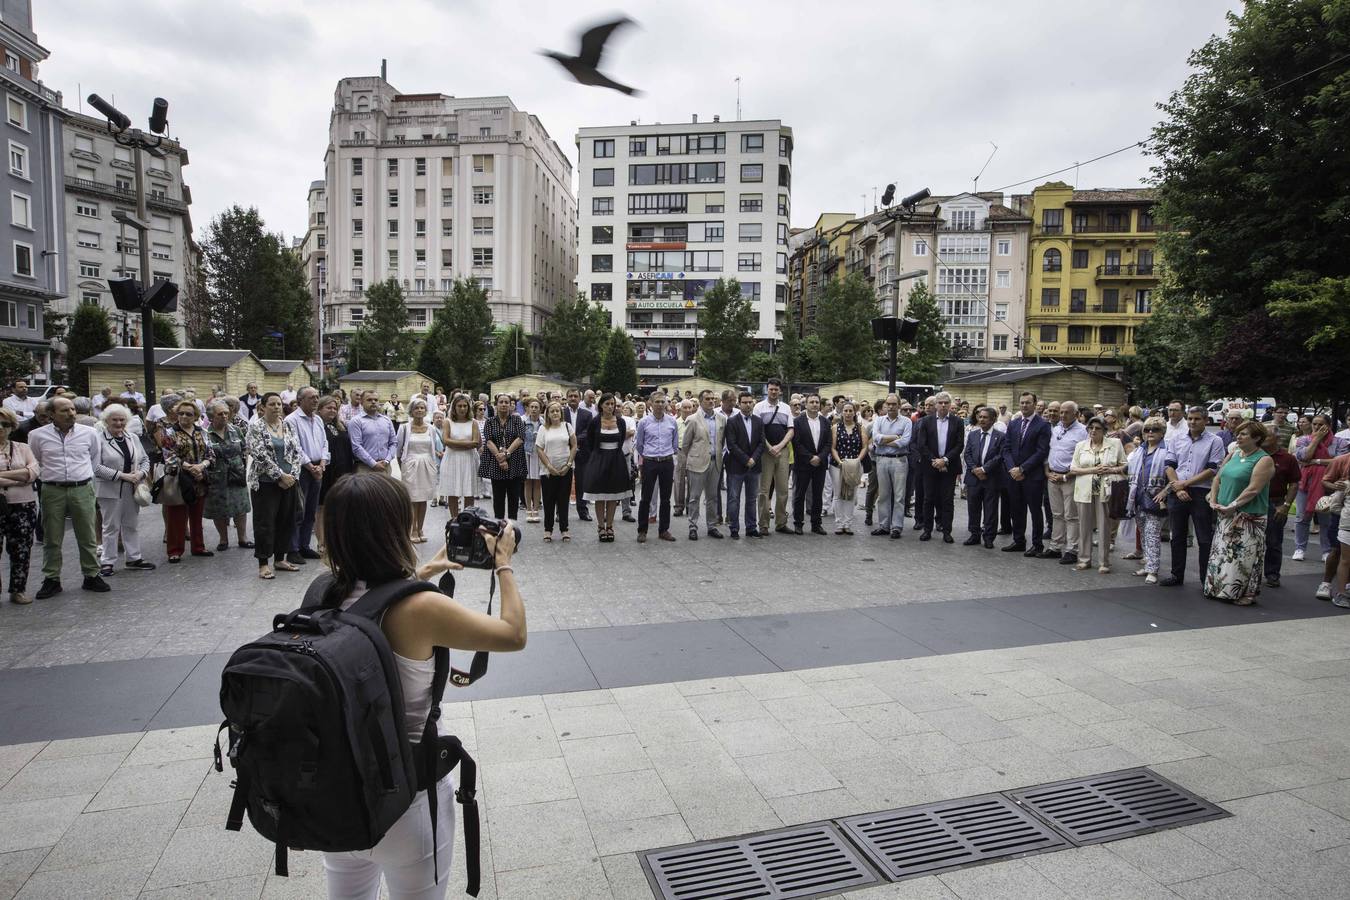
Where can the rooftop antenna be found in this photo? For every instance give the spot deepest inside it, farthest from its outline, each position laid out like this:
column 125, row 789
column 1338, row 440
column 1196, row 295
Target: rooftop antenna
column 976, row 189
column 738, row 98
column 874, row 198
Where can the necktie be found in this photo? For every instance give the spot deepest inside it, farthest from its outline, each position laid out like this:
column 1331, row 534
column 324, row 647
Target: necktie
column 984, row 447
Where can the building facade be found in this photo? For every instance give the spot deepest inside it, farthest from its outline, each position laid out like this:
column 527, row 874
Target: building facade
column 99, row 178
column 1093, row 266
column 427, row 188
column 33, row 235
column 666, row 210
column 313, row 250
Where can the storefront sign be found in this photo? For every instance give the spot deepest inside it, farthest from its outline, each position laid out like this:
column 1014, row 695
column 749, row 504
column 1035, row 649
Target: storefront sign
column 662, row 304
column 656, row 276
column 648, row 245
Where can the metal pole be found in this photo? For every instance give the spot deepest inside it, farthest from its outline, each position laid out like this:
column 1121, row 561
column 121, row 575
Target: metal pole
column 894, row 342
column 147, row 315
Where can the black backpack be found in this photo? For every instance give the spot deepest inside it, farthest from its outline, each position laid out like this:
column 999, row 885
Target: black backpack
column 314, row 710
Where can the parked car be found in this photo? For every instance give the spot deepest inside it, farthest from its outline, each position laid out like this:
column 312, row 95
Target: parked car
column 1217, row 409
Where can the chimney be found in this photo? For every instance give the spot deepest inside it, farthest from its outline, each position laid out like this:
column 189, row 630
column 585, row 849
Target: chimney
column 695, row 118
column 717, row 118
column 633, row 122
column 384, row 70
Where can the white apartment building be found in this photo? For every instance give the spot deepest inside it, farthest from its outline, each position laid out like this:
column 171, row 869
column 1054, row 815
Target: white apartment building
column 426, row 188
column 666, row 210
column 100, row 177
column 313, row 250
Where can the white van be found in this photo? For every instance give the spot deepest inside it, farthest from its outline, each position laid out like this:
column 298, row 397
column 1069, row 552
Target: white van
column 1216, row 409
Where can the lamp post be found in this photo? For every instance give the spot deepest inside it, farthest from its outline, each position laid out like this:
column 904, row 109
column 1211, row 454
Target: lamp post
column 129, row 294
column 892, row 328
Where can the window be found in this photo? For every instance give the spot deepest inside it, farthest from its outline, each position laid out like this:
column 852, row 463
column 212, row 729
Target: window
column 91, row 239
column 358, row 197
column 1111, row 300
column 1080, row 259
column 161, row 251
column 358, row 257
column 420, row 165
column 751, row 290
column 447, row 227
column 784, row 177
column 91, row 269
column 602, row 206
column 1000, row 342
column 123, row 184
column 677, row 173
column 1143, row 300
column 1052, row 261
column 393, row 227
column 963, row 219
column 447, row 285
column 358, row 285
column 602, row 262
column 602, row 177
column 1111, row 264
column 637, row 146
column 1110, row 334
column 1050, row 298
column 88, row 173
column 417, row 318
column 1004, row 249
column 602, row 234
column 482, row 225
column 11, row 61
column 323, row 241
column 393, row 260
column 17, row 112
column 752, row 143
column 393, row 197
column 21, row 210
column 23, row 259
column 1144, row 262
column 18, row 160
column 963, row 281
column 752, row 172
column 1049, row 334
column 1003, row 278
column 447, row 197
column 420, row 256
column 920, row 247
column 358, row 315
column 447, row 166
column 485, row 131
column 782, row 204
column 782, row 234
column 748, row 262
column 602, row 149
column 1146, row 220
column 1077, row 300
column 90, row 297
column 482, row 163
column 9, row 314
column 446, row 259
column 391, row 165
column 482, row 256
column 1052, row 221
column 780, row 263
column 658, row 203
column 1000, row 312
column 482, row 196
column 419, row 197
column 784, row 145
column 358, row 226
column 752, row 202
column 419, row 228
column 1079, row 334
column 750, row 233
column 358, row 167
column 713, row 203
column 483, row 282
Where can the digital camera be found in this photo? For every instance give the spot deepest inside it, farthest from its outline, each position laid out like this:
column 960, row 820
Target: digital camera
column 464, row 542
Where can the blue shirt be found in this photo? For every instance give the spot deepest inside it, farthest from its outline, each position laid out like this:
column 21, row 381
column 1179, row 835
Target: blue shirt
column 883, row 425
column 1190, row 456
column 710, row 420
column 313, row 437
column 656, row 437
column 373, row 438
column 1062, row 443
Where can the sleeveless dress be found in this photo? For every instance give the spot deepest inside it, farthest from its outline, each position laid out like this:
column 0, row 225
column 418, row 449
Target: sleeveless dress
column 459, row 467
column 419, row 466
column 532, row 466
column 607, row 476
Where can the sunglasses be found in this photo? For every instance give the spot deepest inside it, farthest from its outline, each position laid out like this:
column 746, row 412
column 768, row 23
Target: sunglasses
column 1153, row 430
column 5, row 425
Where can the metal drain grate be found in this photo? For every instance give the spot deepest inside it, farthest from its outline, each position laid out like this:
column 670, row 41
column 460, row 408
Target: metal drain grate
column 808, row 861
column 936, row 837
column 1120, row 804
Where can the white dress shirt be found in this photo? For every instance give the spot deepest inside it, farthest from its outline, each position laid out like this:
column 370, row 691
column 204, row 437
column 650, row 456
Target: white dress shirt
column 813, row 423
column 22, row 407
column 942, row 423
column 66, row 457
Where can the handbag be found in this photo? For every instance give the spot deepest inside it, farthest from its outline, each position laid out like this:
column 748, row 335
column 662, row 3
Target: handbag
column 1331, row 503
column 1117, row 503
column 143, row 495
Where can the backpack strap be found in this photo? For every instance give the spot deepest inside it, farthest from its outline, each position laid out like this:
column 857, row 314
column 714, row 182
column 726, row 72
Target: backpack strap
column 440, row 754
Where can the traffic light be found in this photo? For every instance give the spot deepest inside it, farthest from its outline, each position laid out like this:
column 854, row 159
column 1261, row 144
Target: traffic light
column 1017, row 342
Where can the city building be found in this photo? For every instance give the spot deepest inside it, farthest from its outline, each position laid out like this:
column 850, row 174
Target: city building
column 100, row 179
column 313, row 250
column 34, row 240
column 815, row 257
column 666, row 210
column 427, row 188
column 1093, row 268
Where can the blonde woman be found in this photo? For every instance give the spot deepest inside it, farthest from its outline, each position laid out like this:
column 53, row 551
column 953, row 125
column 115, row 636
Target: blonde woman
column 533, row 422
column 1098, row 462
column 461, row 438
column 418, row 448
column 556, row 451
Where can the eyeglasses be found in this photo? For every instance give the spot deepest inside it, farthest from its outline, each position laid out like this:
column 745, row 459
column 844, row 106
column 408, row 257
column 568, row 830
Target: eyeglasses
column 1153, row 430
column 5, row 425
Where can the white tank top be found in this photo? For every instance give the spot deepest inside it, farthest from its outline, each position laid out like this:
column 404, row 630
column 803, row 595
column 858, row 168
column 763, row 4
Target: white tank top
column 415, row 677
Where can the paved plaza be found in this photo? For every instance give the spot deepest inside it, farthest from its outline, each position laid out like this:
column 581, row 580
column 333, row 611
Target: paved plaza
column 691, row 691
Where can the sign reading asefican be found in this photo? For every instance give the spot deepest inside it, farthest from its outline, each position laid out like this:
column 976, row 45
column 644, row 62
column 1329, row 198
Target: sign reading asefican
column 655, row 276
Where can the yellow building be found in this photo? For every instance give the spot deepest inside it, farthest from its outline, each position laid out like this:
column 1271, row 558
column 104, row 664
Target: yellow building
column 817, row 256
column 285, row 373
column 1091, row 274
column 202, row 371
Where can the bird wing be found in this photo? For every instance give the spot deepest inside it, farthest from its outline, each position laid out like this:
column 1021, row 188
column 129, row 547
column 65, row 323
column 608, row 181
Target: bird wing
column 593, row 41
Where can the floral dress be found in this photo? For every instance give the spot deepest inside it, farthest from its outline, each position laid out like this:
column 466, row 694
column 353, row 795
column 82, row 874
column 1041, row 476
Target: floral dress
column 1237, row 557
column 229, row 489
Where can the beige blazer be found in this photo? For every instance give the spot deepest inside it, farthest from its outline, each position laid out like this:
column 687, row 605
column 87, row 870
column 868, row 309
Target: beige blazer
column 696, row 446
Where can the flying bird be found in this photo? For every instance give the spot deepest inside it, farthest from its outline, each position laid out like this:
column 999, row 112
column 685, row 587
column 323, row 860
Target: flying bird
column 585, row 66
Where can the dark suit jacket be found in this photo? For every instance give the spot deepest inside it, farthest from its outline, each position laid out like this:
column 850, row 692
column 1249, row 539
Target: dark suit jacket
column 993, row 463
column 802, row 447
column 1027, row 445
column 581, row 424
column 927, row 439
column 740, row 451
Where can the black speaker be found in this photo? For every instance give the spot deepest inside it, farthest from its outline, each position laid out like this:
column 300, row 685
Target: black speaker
column 909, row 330
column 886, row 328
column 162, row 296
column 126, row 293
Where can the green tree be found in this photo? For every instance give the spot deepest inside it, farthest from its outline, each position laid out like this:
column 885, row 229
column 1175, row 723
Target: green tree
column 811, row 365
column 1254, row 185
column 618, row 368
column 383, row 341
column 15, row 363
column 788, row 353
column 166, row 335
column 89, row 335
column 514, row 356
column 573, row 337
column 1171, row 348
column 458, row 349
column 920, row 364
column 844, row 325
column 727, row 322
column 763, row 366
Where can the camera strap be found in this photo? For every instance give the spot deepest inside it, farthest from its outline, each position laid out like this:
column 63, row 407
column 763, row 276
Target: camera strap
column 479, row 665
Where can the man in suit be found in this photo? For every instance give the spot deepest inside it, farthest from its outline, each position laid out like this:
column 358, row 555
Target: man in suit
column 811, row 442
column 580, row 419
column 941, row 439
column 984, row 466
column 745, row 447
column 705, row 435
column 1024, row 453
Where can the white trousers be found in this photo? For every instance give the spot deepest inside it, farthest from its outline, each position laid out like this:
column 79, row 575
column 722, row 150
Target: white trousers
column 403, row 856
column 1064, row 529
column 843, row 509
column 119, row 517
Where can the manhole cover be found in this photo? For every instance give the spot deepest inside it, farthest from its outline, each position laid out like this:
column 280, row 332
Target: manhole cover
column 936, row 837
column 808, row 861
column 1116, row 805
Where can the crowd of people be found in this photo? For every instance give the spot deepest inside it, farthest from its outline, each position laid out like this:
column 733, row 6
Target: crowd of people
column 1072, row 484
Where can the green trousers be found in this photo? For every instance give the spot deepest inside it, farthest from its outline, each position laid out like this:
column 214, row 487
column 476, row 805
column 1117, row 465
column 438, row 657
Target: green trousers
column 78, row 504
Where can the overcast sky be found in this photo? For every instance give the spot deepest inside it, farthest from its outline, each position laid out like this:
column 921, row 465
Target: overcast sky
column 911, row 92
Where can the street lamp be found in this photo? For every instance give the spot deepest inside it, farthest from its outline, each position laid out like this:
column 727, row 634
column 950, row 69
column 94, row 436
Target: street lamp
column 131, row 294
column 894, row 329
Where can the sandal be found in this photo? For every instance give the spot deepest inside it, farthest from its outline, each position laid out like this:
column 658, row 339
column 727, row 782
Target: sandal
column 223, row 545
column 1245, row 601
column 286, row 566
column 266, row 573
column 246, row 545
column 548, row 538
column 566, row 536
column 175, row 559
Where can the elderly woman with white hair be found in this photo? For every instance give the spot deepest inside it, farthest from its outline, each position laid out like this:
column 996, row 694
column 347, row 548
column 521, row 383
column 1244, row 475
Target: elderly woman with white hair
column 227, row 502
column 121, row 468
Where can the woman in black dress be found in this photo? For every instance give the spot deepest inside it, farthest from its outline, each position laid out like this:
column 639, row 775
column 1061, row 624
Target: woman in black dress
column 340, row 462
column 503, row 458
column 607, row 480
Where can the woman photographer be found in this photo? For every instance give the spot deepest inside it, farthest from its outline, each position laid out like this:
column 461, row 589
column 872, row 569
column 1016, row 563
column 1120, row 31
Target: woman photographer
column 367, row 520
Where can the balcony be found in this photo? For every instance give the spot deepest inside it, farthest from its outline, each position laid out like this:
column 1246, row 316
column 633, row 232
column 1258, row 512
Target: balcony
column 1050, row 229
column 1125, row 270
column 124, row 195
column 1101, row 227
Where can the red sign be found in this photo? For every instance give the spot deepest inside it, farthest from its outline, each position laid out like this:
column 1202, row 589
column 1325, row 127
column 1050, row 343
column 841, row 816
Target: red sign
column 675, row 245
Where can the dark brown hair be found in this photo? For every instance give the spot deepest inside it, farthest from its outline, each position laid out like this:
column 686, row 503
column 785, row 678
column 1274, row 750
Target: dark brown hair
column 366, row 522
